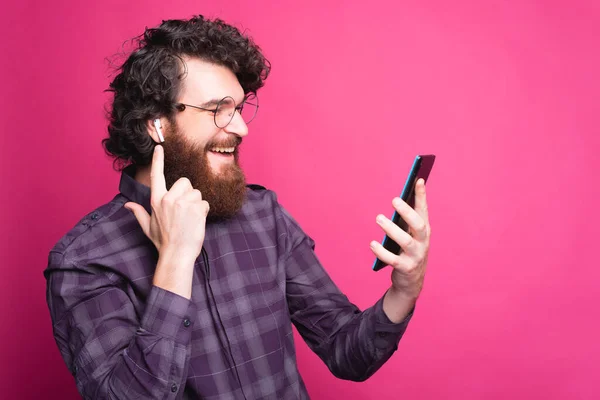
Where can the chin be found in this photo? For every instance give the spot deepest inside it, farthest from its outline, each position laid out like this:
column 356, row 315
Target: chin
column 221, row 174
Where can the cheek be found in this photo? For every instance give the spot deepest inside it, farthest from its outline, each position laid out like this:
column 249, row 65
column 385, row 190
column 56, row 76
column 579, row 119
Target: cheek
column 200, row 130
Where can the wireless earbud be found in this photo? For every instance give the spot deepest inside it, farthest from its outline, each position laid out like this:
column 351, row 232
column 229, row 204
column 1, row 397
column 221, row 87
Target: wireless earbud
column 158, row 127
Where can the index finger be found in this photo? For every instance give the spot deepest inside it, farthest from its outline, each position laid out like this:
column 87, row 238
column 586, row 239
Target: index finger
column 421, row 200
column 158, row 187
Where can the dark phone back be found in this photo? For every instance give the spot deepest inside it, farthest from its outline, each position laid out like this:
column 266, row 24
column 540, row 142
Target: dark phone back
column 420, row 169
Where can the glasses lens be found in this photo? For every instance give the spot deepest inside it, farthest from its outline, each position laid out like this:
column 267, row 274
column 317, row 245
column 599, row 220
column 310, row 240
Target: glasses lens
column 249, row 108
column 224, row 112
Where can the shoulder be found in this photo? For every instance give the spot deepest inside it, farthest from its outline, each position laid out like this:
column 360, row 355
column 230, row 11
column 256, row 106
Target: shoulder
column 260, row 196
column 255, row 187
column 263, row 204
column 93, row 231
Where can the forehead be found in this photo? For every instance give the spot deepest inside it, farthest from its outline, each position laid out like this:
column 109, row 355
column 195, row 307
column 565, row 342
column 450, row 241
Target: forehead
column 204, row 81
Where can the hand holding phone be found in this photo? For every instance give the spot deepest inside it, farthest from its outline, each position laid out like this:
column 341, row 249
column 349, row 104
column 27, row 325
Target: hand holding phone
column 420, row 169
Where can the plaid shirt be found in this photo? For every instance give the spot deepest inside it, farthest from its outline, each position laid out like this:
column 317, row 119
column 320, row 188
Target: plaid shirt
column 123, row 338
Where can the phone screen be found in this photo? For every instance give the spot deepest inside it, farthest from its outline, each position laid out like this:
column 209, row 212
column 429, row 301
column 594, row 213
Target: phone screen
column 420, row 169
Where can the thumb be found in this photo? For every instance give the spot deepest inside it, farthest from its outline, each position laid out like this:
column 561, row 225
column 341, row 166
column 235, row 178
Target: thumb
column 141, row 215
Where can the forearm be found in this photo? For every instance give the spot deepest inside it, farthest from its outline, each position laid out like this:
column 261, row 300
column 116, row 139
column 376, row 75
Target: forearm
column 363, row 344
column 120, row 357
column 397, row 305
column 137, row 374
column 174, row 272
column 353, row 344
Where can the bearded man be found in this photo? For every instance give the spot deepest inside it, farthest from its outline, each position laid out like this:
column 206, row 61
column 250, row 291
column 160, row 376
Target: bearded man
column 187, row 283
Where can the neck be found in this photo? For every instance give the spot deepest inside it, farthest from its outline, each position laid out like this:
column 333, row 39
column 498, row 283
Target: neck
column 142, row 175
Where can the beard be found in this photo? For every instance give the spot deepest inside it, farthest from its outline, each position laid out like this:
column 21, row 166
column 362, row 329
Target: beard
column 224, row 191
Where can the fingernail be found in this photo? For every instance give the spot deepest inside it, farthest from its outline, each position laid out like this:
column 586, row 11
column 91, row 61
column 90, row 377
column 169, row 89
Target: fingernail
column 373, row 244
column 380, row 219
column 397, row 202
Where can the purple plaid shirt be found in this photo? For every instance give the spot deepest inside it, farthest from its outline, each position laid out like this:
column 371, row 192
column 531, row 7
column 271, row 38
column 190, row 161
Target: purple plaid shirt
column 123, row 338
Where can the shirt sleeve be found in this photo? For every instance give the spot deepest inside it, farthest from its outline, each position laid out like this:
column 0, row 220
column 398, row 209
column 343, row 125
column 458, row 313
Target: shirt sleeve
column 354, row 344
column 111, row 351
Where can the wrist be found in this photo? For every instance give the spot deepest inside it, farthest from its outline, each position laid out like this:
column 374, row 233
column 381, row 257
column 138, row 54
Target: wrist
column 401, row 294
column 174, row 271
column 176, row 255
column 397, row 305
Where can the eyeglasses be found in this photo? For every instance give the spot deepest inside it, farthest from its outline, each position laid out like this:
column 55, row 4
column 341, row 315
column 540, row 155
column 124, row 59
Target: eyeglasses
column 226, row 108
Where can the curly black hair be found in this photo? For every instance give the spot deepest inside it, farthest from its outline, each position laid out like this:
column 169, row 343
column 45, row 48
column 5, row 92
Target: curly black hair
column 148, row 82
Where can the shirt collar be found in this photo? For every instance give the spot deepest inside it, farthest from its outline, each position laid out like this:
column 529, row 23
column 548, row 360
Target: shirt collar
column 134, row 190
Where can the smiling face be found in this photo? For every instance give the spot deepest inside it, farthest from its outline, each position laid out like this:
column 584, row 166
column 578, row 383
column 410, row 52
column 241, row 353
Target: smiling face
column 197, row 149
column 205, row 85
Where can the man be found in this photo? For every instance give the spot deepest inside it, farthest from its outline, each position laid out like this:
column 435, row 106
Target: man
column 187, row 283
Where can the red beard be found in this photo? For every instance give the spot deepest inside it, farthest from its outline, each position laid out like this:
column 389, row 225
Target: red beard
column 225, row 192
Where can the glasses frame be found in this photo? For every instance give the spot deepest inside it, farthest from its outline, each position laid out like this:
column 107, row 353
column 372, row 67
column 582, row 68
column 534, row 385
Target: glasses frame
column 238, row 108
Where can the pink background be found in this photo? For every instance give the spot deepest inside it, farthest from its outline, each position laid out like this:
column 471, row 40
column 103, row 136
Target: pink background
column 505, row 93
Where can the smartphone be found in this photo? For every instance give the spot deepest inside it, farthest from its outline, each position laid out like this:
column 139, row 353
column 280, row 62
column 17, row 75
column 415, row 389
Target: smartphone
column 420, row 169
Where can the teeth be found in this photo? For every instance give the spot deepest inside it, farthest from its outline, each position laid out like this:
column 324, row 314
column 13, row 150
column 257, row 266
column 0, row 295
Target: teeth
column 223, row 149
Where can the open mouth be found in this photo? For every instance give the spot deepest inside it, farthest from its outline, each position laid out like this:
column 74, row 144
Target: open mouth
column 223, row 151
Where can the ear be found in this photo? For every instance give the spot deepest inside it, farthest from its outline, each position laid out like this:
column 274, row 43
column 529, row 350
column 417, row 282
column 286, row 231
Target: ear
column 156, row 129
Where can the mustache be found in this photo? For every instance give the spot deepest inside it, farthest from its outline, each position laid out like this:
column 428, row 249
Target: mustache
column 232, row 142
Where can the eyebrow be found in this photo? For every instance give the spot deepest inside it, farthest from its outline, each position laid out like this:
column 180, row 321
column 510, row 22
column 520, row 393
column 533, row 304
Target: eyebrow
column 214, row 102
column 210, row 103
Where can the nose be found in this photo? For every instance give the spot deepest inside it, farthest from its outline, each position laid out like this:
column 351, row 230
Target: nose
column 237, row 126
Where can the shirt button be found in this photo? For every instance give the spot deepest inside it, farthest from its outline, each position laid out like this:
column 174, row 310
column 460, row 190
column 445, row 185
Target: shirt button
column 173, row 388
column 94, row 216
column 187, row 323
